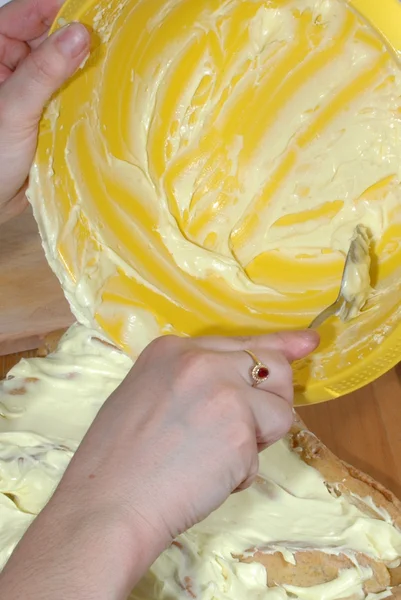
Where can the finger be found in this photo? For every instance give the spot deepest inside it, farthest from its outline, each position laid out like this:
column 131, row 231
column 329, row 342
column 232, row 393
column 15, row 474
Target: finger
column 39, row 40
column 273, row 416
column 25, row 94
column 5, row 73
column 293, row 344
column 12, row 52
column 280, row 376
column 26, row 20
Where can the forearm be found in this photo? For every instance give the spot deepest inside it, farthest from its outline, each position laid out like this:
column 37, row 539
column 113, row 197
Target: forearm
column 75, row 552
column 94, row 540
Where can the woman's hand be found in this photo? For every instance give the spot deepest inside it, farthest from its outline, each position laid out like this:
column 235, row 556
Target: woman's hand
column 184, row 431
column 171, row 444
column 185, row 428
column 32, row 68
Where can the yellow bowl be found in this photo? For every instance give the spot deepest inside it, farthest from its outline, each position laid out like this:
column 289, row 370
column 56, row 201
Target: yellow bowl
column 203, row 172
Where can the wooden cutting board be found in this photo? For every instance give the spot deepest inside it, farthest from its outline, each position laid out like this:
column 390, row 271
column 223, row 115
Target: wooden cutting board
column 31, row 301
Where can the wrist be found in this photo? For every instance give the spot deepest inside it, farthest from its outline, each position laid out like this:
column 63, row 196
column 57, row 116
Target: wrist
column 84, row 549
column 111, row 539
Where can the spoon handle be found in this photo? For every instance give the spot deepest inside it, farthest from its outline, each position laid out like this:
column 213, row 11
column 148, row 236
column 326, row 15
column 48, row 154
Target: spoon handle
column 331, row 310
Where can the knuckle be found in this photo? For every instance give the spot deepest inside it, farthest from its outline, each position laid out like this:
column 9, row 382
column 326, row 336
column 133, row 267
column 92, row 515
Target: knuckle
column 285, row 420
column 287, row 395
column 252, row 474
column 284, row 378
column 284, row 370
column 220, row 402
column 281, row 339
column 277, row 426
column 245, row 485
column 244, row 340
column 226, row 393
column 241, row 438
column 44, row 67
column 192, row 366
column 254, row 471
column 163, row 344
column 193, row 360
column 227, row 402
column 287, row 391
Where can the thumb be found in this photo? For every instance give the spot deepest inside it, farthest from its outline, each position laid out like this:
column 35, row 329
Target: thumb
column 293, row 344
column 39, row 76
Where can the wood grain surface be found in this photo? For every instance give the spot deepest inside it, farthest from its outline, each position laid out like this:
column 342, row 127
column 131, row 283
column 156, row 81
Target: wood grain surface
column 363, row 428
column 31, row 301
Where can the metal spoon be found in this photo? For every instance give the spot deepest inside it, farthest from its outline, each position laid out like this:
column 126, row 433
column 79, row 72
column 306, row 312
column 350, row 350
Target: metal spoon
column 355, row 283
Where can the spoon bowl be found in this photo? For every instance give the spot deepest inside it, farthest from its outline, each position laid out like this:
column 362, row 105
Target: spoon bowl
column 355, row 282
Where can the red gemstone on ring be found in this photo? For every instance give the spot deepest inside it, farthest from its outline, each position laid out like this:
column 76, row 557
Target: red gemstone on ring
column 262, row 372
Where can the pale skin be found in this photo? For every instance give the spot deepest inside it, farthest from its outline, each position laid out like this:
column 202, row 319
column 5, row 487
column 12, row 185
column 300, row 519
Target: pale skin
column 180, row 434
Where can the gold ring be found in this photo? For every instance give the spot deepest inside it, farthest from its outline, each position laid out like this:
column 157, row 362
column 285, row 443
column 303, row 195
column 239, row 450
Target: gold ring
column 259, row 372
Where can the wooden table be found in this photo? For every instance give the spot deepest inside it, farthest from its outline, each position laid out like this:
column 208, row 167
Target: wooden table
column 363, row 428
column 31, row 301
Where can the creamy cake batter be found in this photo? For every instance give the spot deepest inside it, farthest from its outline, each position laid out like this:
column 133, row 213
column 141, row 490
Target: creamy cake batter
column 225, row 175
column 48, row 404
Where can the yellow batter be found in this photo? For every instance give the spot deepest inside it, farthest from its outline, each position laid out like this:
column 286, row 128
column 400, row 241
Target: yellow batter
column 212, row 178
column 46, row 406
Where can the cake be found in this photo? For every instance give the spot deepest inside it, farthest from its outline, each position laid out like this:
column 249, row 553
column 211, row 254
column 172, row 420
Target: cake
column 311, row 526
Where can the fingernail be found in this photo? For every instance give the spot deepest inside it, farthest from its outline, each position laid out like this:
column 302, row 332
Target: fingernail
column 310, row 336
column 72, row 39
